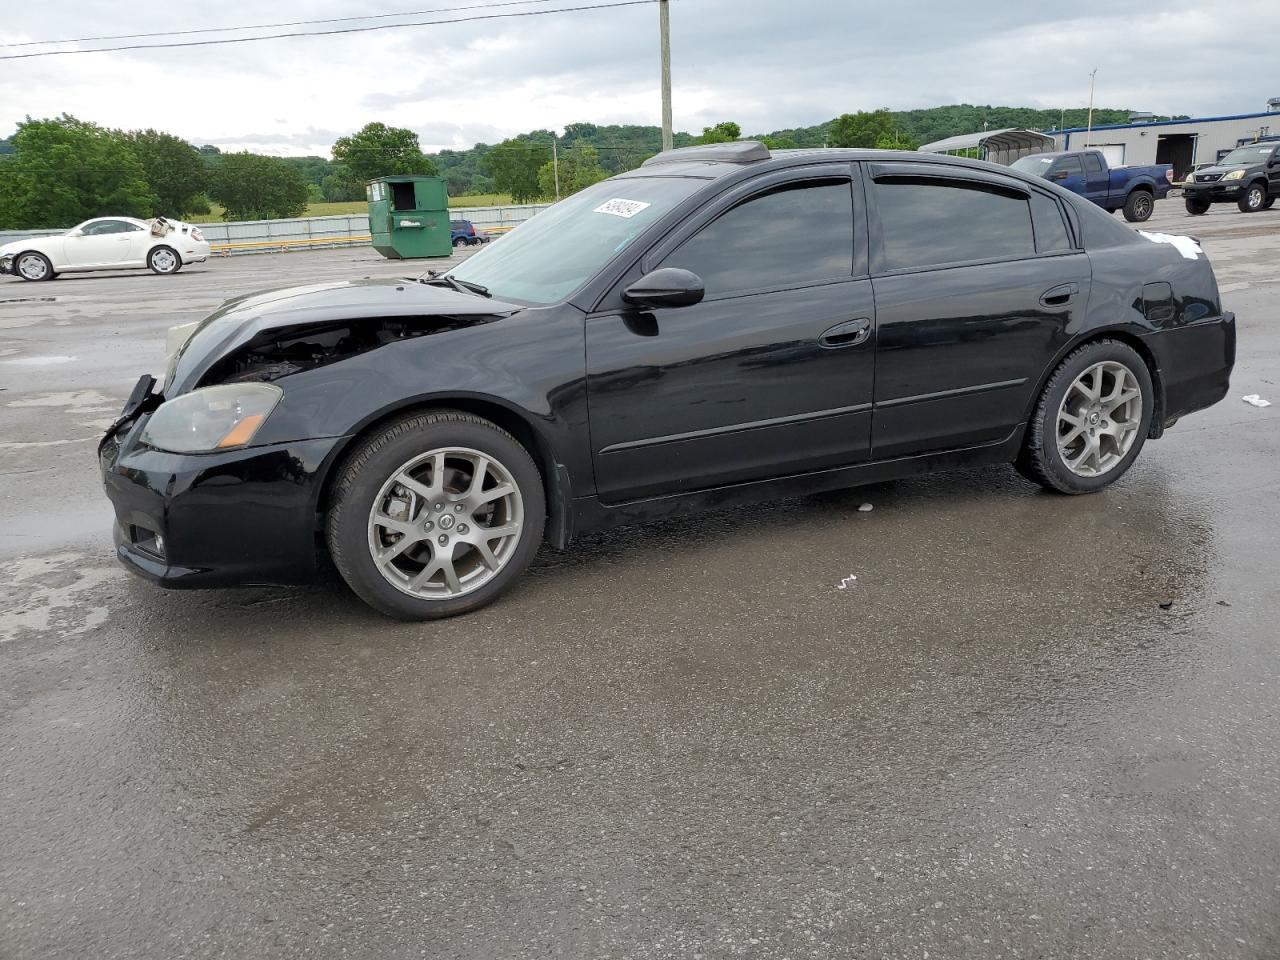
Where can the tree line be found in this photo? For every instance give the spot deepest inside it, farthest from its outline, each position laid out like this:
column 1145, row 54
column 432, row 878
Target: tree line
column 57, row 172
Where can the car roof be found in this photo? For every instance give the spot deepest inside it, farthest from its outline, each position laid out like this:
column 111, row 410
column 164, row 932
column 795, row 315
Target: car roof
column 714, row 162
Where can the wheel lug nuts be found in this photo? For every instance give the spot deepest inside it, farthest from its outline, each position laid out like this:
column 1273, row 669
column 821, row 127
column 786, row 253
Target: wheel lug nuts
column 458, row 508
column 463, row 529
column 439, row 506
column 428, row 526
column 443, row 540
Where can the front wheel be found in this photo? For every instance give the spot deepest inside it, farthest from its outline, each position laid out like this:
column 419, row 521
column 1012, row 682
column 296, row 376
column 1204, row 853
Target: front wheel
column 1268, row 203
column 1138, row 206
column 1091, row 420
column 33, row 266
column 1253, row 198
column 436, row 515
column 1197, row 207
column 164, row 260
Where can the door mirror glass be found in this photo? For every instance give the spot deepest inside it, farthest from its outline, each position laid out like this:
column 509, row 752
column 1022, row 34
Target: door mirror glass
column 1058, row 175
column 668, row 287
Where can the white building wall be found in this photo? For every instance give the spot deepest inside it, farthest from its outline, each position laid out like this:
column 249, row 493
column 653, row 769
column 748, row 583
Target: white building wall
column 1136, row 144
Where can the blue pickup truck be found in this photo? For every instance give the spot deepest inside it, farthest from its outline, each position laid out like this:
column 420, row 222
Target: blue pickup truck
column 1133, row 190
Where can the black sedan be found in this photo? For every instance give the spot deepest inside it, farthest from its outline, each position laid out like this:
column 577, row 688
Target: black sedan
column 719, row 326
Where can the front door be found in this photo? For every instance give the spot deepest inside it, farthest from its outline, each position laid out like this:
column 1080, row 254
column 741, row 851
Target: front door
column 976, row 283
column 101, row 243
column 771, row 374
column 1069, row 173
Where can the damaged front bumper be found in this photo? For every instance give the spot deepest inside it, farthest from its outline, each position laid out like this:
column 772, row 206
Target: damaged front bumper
column 246, row 516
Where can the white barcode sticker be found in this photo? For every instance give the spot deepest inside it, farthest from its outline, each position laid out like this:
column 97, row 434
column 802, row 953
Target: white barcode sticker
column 622, row 208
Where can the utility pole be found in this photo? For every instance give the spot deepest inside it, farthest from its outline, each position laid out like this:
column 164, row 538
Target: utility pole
column 1089, row 130
column 555, row 162
column 664, row 21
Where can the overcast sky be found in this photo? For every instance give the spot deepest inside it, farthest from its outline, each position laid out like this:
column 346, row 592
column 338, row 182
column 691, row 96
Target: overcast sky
column 763, row 63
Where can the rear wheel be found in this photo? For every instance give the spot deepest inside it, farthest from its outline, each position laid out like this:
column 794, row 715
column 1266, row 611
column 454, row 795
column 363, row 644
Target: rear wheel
column 459, row 241
column 1138, row 206
column 164, row 260
column 436, row 515
column 33, row 266
column 1197, row 207
column 1253, row 198
column 1091, row 420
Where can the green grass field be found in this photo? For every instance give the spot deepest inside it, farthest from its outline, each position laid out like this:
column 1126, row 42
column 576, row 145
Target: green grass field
column 359, row 206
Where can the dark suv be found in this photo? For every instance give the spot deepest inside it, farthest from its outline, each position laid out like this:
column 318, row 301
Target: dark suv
column 1249, row 176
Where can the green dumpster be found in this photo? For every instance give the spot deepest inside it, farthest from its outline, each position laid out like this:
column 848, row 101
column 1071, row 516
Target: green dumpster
column 409, row 217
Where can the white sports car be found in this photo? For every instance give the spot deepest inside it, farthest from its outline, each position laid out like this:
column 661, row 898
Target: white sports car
column 107, row 243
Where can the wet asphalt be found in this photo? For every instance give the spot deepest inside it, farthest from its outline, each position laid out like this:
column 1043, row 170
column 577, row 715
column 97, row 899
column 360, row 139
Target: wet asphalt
column 1032, row 727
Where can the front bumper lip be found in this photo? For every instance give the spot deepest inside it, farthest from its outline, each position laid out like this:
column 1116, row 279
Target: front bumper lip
column 246, row 516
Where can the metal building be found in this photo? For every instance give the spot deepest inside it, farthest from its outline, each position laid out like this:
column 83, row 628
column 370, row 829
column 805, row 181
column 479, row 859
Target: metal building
column 1184, row 143
column 998, row 146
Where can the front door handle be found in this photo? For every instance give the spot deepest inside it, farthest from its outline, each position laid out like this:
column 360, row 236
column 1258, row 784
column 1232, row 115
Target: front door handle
column 1060, row 295
column 847, row 334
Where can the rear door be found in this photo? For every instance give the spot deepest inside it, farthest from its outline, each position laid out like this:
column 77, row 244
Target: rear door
column 770, row 374
column 977, row 279
column 1273, row 173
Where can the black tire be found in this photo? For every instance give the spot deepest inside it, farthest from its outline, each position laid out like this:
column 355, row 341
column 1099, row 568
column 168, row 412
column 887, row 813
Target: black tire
column 163, row 267
column 47, row 272
column 1253, row 198
column 373, row 463
column 1197, row 207
column 459, row 241
column 1040, row 460
column 1268, row 203
column 1138, row 206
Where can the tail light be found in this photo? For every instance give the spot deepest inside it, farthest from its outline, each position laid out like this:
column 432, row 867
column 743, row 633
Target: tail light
column 196, row 234
column 1168, row 174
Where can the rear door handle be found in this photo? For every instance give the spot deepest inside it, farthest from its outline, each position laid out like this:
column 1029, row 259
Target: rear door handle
column 1062, row 294
column 847, row 334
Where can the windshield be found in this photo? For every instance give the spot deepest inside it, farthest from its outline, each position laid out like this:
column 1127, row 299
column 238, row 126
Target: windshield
column 548, row 257
column 1245, row 155
column 1036, row 166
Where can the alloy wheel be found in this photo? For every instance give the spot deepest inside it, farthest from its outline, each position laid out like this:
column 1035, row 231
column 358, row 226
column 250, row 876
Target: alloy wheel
column 32, row 267
column 164, row 261
column 1099, row 419
column 445, row 523
column 1142, row 207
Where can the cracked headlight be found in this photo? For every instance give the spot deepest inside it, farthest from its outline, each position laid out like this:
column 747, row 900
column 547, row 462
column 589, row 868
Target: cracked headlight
column 212, row 418
column 1234, row 175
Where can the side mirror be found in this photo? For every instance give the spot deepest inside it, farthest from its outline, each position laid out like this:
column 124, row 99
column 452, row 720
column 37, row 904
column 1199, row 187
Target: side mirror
column 668, row 287
column 1058, row 175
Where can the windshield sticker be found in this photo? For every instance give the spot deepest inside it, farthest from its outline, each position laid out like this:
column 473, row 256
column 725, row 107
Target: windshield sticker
column 623, row 208
column 1186, row 246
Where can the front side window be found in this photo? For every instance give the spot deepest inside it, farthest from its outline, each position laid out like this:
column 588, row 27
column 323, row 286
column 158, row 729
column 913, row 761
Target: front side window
column 795, row 235
column 929, row 223
column 102, row 227
column 550, row 256
column 1070, row 166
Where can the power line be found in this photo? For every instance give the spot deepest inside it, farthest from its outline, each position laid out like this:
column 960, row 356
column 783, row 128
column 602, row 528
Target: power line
column 325, row 33
column 271, row 26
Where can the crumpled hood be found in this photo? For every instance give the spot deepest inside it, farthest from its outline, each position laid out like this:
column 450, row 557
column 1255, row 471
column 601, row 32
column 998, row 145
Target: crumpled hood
column 239, row 320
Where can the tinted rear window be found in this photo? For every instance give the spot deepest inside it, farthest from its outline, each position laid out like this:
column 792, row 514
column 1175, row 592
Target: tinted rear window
column 926, row 223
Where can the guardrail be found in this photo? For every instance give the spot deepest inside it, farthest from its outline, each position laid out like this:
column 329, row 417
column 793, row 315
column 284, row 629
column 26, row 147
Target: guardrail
column 273, row 236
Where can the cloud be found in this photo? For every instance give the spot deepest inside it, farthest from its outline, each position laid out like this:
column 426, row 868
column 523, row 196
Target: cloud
column 763, row 64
